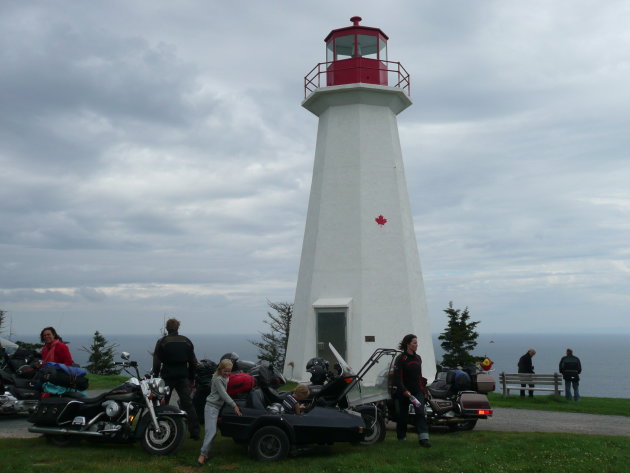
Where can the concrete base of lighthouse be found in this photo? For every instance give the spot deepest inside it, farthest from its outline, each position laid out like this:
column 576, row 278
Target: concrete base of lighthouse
column 360, row 282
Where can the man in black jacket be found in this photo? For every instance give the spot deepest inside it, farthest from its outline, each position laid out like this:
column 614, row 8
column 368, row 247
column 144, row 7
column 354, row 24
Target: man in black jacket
column 174, row 359
column 525, row 366
column 570, row 367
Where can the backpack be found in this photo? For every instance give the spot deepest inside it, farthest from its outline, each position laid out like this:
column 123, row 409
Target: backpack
column 240, row 383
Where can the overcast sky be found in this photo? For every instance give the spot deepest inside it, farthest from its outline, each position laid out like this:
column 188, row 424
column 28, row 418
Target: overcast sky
column 155, row 159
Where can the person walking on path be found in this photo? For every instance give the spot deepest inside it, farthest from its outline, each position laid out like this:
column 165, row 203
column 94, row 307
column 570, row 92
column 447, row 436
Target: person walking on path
column 525, row 366
column 411, row 389
column 218, row 396
column 570, row 367
column 174, row 359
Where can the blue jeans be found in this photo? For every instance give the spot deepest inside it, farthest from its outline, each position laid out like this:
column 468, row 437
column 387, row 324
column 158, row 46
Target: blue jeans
column 567, row 389
column 211, row 414
column 402, row 403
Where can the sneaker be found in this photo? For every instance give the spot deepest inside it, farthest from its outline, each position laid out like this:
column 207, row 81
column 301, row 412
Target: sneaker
column 425, row 443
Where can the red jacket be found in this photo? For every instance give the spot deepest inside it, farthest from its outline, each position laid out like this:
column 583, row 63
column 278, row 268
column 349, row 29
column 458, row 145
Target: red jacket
column 57, row 352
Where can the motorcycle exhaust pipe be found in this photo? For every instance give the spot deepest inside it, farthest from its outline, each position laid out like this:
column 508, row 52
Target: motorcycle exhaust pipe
column 59, row 431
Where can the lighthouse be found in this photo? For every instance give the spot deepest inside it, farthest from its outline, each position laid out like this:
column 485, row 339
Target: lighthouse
column 360, row 282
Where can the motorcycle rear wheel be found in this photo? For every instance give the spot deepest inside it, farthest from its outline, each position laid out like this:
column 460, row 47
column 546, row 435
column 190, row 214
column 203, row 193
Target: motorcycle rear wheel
column 168, row 440
column 462, row 425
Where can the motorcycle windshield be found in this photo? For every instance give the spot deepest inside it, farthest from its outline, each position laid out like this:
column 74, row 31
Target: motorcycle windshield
column 371, row 381
column 345, row 367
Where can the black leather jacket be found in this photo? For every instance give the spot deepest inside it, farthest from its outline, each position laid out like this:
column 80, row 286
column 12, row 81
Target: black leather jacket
column 174, row 357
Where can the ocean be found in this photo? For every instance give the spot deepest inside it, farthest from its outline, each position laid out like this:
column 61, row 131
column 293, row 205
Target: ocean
column 605, row 366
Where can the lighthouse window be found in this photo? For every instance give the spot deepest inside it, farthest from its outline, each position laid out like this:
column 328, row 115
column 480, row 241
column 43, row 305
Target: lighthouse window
column 382, row 46
column 368, row 46
column 344, row 47
column 330, row 51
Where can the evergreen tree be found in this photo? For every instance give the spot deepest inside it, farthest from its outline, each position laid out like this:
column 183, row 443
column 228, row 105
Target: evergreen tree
column 459, row 338
column 101, row 360
column 29, row 346
column 273, row 345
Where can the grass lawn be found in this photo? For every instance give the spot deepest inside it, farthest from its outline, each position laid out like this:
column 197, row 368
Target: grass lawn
column 105, row 382
column 462, row 452
column 586, row 405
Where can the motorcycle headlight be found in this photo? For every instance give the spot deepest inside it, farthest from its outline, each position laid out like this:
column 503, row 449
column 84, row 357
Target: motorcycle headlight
column 158, row 385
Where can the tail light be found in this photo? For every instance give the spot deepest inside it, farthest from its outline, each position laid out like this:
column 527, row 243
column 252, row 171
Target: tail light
column 484, row 412
column 348, row 379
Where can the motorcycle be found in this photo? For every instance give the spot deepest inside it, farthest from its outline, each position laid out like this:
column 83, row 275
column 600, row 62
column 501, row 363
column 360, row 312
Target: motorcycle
column 346, row 390
column 456, row 399
column 127, row 413
column 17, row 394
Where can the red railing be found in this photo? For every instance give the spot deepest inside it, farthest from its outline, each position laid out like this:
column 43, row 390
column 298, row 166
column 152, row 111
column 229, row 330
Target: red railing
column 397, row 76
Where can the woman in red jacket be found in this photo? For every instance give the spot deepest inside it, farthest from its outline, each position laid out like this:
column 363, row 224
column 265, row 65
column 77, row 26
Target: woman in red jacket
column 54, row 349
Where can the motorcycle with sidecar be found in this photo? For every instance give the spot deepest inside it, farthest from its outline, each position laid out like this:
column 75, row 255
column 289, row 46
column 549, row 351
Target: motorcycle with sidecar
column 344, row 410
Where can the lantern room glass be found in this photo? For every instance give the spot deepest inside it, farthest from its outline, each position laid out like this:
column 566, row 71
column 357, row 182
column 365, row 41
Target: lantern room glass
column 367, row 46
column 353, row 45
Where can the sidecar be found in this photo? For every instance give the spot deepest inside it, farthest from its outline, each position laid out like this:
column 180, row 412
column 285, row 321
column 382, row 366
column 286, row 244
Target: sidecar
column 271, row 434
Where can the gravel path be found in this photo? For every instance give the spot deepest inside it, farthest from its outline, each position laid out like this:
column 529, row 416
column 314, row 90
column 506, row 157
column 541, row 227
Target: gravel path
column 515, row 420
column 523, row 420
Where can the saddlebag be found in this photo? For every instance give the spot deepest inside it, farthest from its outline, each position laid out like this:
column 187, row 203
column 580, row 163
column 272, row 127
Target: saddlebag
column 472, row 402
column 24, row 394
column 54, row 411
column 484, row 383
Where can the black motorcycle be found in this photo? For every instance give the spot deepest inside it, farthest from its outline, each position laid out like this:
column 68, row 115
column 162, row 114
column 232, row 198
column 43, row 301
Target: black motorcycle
column 129, row 412
column 17, row 393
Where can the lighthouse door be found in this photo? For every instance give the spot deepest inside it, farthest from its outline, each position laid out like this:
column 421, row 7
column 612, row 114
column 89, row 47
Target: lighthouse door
column 331, row 327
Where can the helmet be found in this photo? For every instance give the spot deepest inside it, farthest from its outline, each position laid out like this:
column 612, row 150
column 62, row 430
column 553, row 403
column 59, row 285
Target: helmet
column 317, row 362
column 233, row 357
column 318, row 374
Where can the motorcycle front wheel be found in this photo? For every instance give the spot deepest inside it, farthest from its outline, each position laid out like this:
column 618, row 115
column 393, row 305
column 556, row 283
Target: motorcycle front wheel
column 374, row 428
column 167, row 440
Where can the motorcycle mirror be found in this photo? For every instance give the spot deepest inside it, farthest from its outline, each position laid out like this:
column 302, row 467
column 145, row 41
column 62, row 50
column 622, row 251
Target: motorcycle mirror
column 125, row 355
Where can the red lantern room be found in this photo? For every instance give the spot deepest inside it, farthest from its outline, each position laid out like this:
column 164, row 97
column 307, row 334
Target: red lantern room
column 356, row 54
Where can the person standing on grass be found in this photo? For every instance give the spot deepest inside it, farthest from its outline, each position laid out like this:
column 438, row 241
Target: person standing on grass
column 215, row 400
column 525, row 366
column 410, row 384
column 174, row 358
column 570, row 367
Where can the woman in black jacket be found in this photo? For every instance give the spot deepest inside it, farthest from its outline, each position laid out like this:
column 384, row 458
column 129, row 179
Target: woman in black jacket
column 411, row 389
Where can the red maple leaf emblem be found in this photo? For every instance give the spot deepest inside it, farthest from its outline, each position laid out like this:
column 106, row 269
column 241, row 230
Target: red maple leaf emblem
column 380, row 220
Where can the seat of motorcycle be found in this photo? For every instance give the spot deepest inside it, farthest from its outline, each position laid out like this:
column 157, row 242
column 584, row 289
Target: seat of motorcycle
column 255, row 399
column 439, row 389
column 273, row 396
column 22, row 383
column 101, row 397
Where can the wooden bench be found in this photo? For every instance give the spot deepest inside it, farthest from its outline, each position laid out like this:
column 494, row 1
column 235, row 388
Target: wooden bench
column 541, row 382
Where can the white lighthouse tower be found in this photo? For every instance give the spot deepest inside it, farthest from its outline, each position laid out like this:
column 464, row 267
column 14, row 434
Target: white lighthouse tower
column 360, row 283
